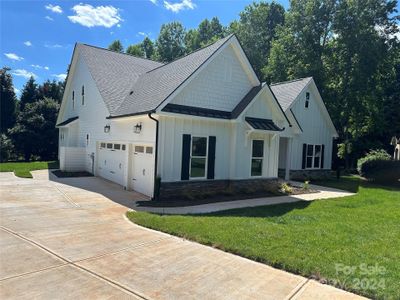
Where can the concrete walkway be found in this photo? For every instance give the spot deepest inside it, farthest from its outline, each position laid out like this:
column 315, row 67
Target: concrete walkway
column 69, row 239
column 324, row 193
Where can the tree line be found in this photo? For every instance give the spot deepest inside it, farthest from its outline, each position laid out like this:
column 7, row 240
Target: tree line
column 28, row 123
column 348, row 46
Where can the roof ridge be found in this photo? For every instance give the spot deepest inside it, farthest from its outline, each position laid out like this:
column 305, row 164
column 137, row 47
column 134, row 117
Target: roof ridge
column 197, row 50
column 290, row 81
column 123, row 53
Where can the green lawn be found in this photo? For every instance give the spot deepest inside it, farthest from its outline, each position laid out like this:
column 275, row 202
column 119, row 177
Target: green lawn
column 314, row 239
column 22, row 169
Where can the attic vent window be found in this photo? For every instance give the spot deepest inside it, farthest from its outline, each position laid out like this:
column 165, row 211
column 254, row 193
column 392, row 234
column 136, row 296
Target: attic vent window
column 83, row 95
column 307, row 100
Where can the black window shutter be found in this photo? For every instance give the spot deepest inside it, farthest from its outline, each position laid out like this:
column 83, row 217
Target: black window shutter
column 322, row 156
column 186, row 138
column 211, row 157
column 303, row 162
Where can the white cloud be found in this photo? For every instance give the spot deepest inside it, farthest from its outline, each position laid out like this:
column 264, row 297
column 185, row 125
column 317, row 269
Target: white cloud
column 60, row 76
column 54, row 8
column 53, row 46
column 40, row 67
column 178, row 6
column 142, row 33
column 89, row 16
column 49, row 18
column 154, row 2
column 16, row 90
column 23, row 73
column 13, row 56
column 28, row 43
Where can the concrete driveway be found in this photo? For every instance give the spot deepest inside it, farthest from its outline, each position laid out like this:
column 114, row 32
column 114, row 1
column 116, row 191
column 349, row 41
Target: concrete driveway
column 69, row 239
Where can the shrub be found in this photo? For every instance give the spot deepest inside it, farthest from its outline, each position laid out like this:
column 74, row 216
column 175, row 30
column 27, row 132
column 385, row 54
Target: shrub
column 286, row 188
column 381, row 170
column 366, row 163
column 378, row 166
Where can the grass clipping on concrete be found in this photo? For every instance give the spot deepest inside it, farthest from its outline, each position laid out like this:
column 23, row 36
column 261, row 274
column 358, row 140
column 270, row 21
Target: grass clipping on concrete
column 320, row 239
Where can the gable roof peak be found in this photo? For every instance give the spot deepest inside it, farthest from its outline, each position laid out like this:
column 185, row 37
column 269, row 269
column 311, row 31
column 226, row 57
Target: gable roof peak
column 118, row 53
column 287, row 92
column 154, row 86
column 220, row 41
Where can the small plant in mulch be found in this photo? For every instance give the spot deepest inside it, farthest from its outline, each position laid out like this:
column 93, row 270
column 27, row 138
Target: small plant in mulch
column 306, row 185
column 286, row 188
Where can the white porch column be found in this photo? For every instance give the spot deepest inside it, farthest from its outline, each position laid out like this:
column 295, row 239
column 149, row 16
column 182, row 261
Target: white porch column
column 288, row 158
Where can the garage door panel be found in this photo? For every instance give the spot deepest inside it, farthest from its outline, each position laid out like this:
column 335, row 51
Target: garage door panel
column 111, row 164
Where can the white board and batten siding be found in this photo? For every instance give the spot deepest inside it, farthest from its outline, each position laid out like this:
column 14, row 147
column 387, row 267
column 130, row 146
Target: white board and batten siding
column 72, row 159
column 220, row 85
column 315, row 129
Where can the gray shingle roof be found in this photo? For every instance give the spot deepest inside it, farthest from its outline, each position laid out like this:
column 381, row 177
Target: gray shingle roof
column 113, row 72
column 153, row 87
column 286, row 92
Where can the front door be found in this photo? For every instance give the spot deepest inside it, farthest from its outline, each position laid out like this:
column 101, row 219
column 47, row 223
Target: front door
column 142, row 169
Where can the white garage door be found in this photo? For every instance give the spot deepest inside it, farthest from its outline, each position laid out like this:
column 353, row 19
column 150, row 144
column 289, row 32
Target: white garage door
column 142, row 169
column 111, row 162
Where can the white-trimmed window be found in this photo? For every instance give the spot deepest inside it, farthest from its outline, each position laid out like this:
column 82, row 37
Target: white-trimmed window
column 257, row 157
column 198, row 157
column 313, row 156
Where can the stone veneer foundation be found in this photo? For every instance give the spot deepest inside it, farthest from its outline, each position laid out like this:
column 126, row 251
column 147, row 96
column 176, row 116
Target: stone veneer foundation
column 306, row 174
column 171, row 190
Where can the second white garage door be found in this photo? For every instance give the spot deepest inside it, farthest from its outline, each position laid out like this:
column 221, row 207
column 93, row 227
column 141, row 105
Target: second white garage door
column 111, row 162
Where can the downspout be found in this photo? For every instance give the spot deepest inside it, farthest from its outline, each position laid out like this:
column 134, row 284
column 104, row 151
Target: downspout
column 155, row 154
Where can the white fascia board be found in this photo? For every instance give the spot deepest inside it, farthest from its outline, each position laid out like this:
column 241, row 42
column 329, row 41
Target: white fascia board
column 70, row 74
column 191, row 117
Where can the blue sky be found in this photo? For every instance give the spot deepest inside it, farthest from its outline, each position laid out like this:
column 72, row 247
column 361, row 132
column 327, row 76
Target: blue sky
column 37, row 37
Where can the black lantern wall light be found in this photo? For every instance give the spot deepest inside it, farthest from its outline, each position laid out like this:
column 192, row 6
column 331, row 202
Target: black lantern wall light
column 137, row 128
column 107, row 128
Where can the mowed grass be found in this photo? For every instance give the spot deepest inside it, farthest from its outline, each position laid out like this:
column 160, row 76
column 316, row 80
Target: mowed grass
column 23, row 169
column 317, row 239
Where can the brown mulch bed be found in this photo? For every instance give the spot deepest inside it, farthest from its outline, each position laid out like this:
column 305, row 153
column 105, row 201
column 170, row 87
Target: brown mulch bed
column 215, row 198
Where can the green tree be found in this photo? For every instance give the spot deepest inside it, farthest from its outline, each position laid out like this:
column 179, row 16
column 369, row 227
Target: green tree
column 29, row 93
column 357, row 72
column 51, row 89
column 210, row 31
column 301, row 43
column 34, row 132
column 7, row 151
column 256, row 29
column 171, row 41
column 148, row 47
column 192, row 40
column 116, row 46
column 135, row 50
column 7, row 99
